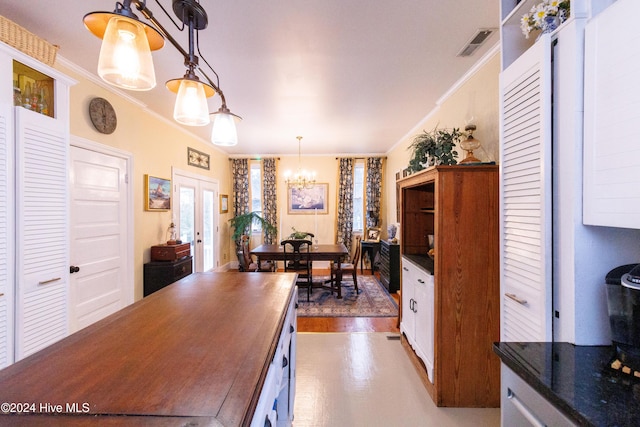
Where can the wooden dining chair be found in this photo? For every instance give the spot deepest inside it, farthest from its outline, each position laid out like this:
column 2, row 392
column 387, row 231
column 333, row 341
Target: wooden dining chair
column 349, row 267
column 297, row 258
column 247, row 263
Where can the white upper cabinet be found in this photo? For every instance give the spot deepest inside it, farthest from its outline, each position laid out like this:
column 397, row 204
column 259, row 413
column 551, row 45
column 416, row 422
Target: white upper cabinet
column 612, row 113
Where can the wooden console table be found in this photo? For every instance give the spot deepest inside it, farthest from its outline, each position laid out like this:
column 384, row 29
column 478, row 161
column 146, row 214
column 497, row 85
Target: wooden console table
column 211, row 349
column 371, row 248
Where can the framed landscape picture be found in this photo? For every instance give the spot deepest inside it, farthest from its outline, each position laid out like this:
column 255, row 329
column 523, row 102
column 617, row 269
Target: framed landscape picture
column 308, row 200
column 157, row 193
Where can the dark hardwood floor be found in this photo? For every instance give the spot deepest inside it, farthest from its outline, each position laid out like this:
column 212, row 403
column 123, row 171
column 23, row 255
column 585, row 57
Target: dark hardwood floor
column 349, row 324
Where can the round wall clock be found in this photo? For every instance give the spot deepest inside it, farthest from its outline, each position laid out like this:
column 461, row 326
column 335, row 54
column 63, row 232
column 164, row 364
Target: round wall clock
column 102, row 115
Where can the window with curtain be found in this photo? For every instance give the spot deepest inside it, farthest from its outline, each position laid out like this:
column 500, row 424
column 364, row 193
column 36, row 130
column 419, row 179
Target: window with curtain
column 240, row 174
column 374, row 191
column 358, row 196
column 255, row 190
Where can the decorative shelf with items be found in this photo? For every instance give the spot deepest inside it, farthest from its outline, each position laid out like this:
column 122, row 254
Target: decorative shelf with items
column 33, row 90
column 514, row 43
column 518, row 36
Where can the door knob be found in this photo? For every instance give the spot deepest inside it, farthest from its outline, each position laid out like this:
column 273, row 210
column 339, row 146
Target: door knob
column 74, row 269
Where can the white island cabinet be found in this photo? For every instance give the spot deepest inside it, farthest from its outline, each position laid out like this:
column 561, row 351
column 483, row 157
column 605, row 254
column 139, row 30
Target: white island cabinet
column 214, row 349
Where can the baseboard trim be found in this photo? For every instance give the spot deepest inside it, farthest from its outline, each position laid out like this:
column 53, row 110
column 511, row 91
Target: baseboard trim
column 421, row 369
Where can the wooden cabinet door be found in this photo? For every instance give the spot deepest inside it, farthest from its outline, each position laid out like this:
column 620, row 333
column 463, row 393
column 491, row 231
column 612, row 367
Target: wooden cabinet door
column 525, row 192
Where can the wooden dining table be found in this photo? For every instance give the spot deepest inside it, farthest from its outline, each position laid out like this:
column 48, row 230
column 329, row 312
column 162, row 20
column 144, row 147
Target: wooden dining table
column 323, row 252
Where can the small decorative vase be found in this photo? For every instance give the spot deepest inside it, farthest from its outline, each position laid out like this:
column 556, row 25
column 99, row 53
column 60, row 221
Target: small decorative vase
column 391, row 231
column 551, row 23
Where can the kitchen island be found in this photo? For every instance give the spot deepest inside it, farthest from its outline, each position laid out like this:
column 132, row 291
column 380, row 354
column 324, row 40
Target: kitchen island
column 213, row 349
column 576, row 381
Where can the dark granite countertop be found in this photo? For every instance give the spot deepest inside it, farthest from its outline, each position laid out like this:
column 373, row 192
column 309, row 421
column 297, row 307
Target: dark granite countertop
column 577, row 380
column 422, row 261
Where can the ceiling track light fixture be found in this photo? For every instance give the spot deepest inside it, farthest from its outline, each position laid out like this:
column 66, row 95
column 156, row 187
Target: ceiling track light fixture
column 125, row 61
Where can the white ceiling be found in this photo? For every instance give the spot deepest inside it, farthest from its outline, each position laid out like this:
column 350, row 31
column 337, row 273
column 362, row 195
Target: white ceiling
column 351, row 77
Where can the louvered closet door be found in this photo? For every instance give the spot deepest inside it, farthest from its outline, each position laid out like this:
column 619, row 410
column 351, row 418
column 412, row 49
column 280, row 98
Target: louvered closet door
column 6, row 243
column 526, row 196
column 42, row 231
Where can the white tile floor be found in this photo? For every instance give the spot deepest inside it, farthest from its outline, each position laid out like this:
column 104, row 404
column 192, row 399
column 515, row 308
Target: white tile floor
column 365, row 379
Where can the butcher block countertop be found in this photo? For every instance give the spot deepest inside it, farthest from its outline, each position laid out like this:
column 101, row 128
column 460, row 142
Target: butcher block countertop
column 194, row 353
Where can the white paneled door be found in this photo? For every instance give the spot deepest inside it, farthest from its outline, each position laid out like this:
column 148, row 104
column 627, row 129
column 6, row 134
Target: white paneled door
column 99, row 282
column 196, row 213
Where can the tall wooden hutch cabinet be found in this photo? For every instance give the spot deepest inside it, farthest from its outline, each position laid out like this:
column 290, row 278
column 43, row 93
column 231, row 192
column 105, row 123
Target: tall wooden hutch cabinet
column 450, row 313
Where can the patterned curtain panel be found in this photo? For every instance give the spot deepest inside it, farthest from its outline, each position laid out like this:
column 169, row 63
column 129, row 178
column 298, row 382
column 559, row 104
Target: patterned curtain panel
column 269, row 197
column 240, row 172
column 345, row 202
column 374, row 191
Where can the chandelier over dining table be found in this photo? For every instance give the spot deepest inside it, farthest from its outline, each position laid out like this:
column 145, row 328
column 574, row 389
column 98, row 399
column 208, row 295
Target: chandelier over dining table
column 302, row 178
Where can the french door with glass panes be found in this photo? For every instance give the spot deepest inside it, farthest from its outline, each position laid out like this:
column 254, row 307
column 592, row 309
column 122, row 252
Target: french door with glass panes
column 196, row 217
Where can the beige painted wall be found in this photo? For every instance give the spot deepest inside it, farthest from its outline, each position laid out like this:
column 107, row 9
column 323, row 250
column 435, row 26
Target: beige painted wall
column 156, row 146
column 322, row 225
column 477, row 97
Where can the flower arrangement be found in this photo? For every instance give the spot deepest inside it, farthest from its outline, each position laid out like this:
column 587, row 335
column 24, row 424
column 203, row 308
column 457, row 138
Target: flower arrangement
column 545, row 16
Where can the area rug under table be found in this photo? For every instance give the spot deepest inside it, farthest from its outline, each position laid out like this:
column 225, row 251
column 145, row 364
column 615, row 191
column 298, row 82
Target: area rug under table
column 372, row 301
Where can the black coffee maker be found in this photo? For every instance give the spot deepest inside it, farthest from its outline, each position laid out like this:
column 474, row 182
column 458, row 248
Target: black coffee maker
column 623, row 301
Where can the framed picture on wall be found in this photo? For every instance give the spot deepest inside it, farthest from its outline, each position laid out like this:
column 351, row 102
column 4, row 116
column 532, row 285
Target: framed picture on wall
column 308, row 200
column 197, row 158
column 157, row 193
column 224, row 203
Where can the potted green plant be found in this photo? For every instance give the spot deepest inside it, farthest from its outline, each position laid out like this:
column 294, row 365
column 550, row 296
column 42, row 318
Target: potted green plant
column 298, row 234
column 241, row 224
column 434, row 148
